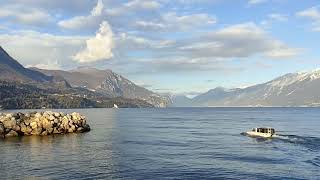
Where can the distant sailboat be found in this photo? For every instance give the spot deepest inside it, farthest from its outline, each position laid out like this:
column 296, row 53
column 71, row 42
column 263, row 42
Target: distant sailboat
column 115, row 106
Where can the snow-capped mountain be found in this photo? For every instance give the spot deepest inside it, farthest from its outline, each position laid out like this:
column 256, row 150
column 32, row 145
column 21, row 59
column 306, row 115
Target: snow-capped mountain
column 294, row 89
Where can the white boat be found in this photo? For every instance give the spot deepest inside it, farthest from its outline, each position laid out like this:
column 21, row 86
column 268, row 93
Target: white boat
column 115, row 106
column 262, row 132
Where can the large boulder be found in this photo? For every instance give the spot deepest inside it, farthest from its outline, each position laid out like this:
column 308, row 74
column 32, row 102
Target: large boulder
column 86, row 128
column 34, row 125
column 46, row 124
column 2, row 130
column 9, row 123
column 26, row 130
column 11, row 133
column 36, row 131
column 37, row 115
column 56, row 131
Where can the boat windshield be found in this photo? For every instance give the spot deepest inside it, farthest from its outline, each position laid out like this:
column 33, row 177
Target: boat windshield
column 265, row 130
column 262, row 130
column 272, row 131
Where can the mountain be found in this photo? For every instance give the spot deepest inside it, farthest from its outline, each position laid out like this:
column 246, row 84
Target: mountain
column 15, row 95
column 23, row 88
column 11, row 70
column 294, row 89
column 108, row 83
column 214, row 95
column 180, row 101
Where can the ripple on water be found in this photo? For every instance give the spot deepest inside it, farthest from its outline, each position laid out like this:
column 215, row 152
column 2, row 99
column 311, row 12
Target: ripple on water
column 184, row 143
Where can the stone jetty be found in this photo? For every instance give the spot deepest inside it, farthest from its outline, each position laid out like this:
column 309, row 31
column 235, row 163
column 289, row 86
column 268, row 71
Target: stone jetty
column 41, row 123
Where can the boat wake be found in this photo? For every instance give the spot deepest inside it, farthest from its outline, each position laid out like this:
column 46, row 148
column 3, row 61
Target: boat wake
column 311, row 143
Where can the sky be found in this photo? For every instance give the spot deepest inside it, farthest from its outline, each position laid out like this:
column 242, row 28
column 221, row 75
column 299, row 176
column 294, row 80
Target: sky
column 177, row 46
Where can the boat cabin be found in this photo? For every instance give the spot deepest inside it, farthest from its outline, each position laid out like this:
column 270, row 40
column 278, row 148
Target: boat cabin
column 264, row 130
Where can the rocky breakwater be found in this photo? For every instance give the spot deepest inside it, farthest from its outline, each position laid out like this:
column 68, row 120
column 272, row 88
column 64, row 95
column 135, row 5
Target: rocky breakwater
column 41, row 123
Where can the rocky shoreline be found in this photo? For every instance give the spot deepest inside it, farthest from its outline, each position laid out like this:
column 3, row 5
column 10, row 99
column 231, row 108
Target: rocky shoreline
column 41, row 123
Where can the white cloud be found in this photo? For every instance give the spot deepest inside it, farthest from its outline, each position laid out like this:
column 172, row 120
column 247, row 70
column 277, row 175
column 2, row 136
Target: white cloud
column 133, row 42
column 51, row 65
column 239, row 30
column 148, row 25
column 70, row 6
column 313, row 14
column 283, row 52
column 235, row 41
column 192, row 49
column 134, row 6
column 193, row 1
column 255, row 2
column 40, row 49
column 187, row 21
column 98, row 47
column 272, row 18
column 201, row 45
column 97, row 11
column 278, row 17
column 24, row 15
column 79, row 22
column 241, row 40
column 180, row 64
column 173, row 22
column 128, row 42
column 3, row 28
column 316, row 27
column 142, row 4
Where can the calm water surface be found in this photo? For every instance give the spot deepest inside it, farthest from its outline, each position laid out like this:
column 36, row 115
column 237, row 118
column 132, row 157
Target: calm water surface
column 174, row 143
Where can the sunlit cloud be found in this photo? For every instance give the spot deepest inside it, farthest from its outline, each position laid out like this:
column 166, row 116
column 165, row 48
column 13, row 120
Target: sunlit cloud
column 98, row 47
column 313, row 14
column 91, row 20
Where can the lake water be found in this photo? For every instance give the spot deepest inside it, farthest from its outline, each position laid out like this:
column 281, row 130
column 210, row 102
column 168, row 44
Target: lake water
column 173, row 143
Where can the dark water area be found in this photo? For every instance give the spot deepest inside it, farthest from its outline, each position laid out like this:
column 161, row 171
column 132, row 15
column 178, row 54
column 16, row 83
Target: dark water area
column 173, row 143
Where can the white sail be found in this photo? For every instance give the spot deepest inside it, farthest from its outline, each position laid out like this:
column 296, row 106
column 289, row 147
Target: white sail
column 115, row 106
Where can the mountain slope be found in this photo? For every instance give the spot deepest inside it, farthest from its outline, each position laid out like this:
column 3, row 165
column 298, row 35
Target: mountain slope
column 11, row 70
column 294, row 89
column 180, row 101
column 15, row 95
column 108, row 83
column 214, row 95
column 22, row 88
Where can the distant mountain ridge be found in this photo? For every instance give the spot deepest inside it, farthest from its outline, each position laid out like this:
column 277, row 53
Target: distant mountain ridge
column 293, row 89
column 29, row 88
column 108, row 83
column 12, row 70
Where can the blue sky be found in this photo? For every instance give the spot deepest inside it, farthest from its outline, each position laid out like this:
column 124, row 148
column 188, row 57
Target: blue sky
column 177, row 46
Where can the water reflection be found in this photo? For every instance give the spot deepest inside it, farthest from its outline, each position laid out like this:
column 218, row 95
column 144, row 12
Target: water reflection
column 62, row 156
column 181, row 143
